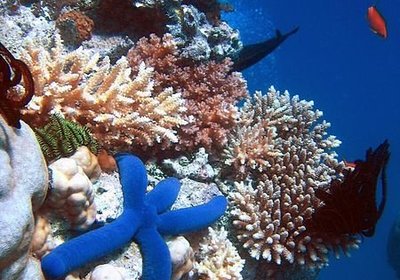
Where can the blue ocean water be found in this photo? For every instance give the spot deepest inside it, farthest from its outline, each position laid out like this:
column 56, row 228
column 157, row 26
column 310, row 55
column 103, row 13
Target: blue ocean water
column 354, row 78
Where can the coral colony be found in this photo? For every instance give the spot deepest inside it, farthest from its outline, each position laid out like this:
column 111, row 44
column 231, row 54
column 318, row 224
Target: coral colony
column 95, row 118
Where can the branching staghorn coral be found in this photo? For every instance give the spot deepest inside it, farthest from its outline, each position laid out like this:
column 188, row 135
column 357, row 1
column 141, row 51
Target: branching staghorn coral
column 210, row 91
column 126, row 113
column 250, row 149
column 269, row 212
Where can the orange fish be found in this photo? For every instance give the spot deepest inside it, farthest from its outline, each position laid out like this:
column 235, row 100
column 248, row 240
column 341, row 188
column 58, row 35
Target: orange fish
column 349, row 165
column 376, row 22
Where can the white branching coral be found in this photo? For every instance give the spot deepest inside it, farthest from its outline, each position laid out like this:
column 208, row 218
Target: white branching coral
column 269, row 211
column 120, row 110
column 249, row 148
column 219, row 259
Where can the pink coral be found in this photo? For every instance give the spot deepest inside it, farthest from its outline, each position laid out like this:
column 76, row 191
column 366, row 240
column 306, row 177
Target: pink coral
column 210, row 90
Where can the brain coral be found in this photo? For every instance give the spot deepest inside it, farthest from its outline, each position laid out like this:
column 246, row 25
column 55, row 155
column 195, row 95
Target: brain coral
column 125, row 112
column 269, row 211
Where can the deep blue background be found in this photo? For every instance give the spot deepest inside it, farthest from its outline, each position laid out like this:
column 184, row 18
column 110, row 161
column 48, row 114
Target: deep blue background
column 352, row 75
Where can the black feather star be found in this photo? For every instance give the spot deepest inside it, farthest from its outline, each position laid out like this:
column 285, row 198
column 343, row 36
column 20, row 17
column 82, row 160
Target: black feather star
column 12, row 72
column 349, row 205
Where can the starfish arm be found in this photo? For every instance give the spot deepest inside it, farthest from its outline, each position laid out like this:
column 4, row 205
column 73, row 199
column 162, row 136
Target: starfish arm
column 90, row 246
column 156, row 256
column 193, row 218
column 164, row 194
column 133, row 178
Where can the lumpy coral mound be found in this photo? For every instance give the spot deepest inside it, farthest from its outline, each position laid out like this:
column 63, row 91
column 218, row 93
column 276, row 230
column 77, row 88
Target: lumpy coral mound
column 210, row 91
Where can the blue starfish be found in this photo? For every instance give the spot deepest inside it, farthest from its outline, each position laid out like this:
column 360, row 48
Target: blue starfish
column 145, row 220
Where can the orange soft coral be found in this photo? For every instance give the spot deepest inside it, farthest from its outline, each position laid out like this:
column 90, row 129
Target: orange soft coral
column 75, row 26
column 210, row 91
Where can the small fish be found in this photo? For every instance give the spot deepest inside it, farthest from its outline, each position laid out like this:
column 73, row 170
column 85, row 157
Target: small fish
column 349, row 165
column 376, row 22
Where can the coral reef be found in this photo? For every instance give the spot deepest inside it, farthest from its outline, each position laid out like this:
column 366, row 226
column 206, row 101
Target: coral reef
column 198, row 40
column 106, row 45
column 211, row 8
column 145, row 219
column 23, row 24
column 75, row 27
column 61, row 138
column 51, row 9
column 210, row 91
column 171, row 98
column 23, row 187
column 148, row 3
column 218, row 257
column 269, row 211
column 123, row 112
column 196, row 168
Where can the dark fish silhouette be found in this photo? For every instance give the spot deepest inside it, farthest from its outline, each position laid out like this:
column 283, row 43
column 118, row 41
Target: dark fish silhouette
column 251, row 54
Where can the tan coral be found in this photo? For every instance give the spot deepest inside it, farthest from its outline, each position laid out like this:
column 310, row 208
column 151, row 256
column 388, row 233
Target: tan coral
column 88, row 161
column 39, row 246
column 106, row 272
column 126, row 113
column 219, row 259
column 71, row 195
column 182, row 256
column 269, row 212
column 250, row 149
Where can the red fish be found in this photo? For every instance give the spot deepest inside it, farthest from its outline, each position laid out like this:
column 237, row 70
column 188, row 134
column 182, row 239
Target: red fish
column 376, row 22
